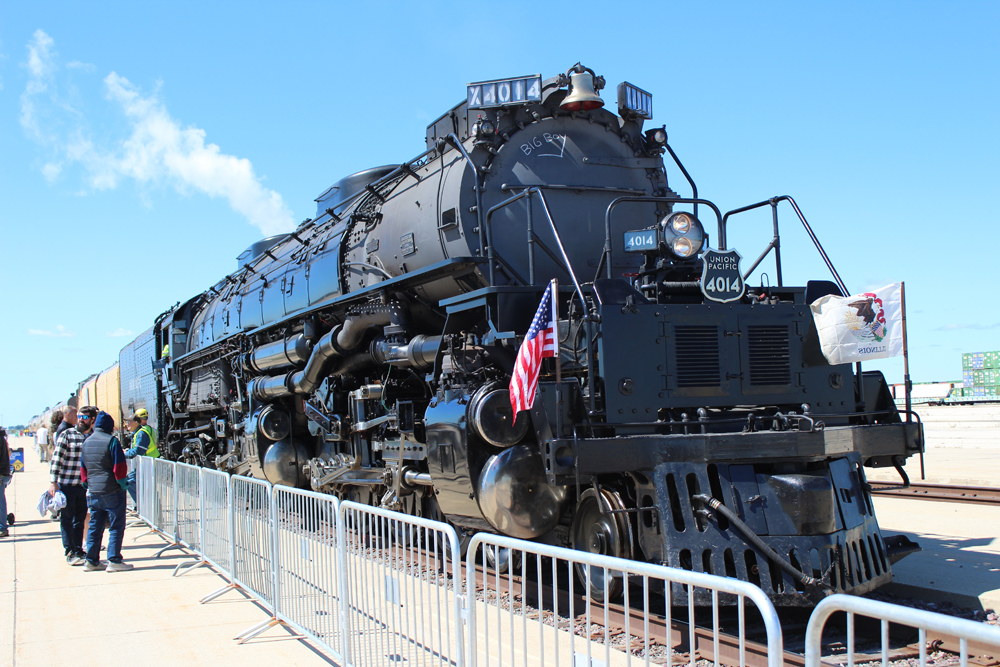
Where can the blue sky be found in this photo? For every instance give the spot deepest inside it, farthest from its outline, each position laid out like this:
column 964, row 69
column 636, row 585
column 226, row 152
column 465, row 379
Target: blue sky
column 143, row 146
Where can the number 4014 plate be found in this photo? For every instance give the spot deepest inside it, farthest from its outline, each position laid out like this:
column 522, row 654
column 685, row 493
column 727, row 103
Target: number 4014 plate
column 721, row 279
column 640, row 241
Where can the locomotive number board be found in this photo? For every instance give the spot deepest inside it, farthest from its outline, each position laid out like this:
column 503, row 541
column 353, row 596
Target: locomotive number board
column 641, row 240
column 499, row 93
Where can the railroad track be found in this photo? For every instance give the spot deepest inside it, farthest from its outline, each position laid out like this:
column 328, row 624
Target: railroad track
column 982, row 495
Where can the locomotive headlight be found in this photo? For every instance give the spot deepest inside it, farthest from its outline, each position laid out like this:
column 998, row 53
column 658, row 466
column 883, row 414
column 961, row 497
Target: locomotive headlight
column 682, row 247
column 681, row 223
column 683, row 234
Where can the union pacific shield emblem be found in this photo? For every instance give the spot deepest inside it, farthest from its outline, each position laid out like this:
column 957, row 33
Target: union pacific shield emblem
column 721, row 279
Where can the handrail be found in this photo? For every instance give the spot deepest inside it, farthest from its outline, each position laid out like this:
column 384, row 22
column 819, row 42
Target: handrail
column 669, row 200
column 528, row 193
column 775, row 242
column 477, row 174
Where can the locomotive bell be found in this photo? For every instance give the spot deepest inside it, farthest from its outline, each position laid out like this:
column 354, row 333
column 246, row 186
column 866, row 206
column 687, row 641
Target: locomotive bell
column 581, row 96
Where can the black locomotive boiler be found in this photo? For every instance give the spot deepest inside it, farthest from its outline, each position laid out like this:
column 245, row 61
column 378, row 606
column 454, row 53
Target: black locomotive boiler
column 690, row 419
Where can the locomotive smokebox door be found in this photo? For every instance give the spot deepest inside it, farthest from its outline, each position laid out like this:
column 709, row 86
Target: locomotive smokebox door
column 721, row 279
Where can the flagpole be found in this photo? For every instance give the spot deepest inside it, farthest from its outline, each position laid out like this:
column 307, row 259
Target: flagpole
column 554, row 286
column 907, row 384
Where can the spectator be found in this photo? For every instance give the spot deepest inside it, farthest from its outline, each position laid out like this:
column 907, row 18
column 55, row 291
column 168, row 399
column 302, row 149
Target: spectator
column 42, row 443
column 103, row 469
column 64, row 475
column 5, row 477
column 143, row 444
column 68, row 420
column 55, row 421
column 62, row 421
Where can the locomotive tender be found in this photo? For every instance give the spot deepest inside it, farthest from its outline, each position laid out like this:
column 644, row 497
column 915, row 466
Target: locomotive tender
column 690, row 419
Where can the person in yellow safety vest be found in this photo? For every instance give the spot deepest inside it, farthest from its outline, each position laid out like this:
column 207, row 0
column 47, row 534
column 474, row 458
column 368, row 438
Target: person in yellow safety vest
column 143, row 444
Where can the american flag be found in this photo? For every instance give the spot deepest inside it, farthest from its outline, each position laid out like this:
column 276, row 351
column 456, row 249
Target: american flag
column 539, row 343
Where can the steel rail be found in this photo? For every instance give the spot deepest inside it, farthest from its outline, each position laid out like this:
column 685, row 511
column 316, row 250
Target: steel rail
column 982, row 495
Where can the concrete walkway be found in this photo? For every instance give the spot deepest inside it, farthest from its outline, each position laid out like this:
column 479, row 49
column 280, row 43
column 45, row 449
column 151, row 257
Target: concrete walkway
column 960, row 562
column 55, row 614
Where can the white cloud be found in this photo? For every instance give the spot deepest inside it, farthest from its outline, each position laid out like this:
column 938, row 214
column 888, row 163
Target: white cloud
column 41, row 65
column 51, row 171
column 85, row 67
column 40, row 56
column 159, row 150
column 60, row 332
column 119, row 333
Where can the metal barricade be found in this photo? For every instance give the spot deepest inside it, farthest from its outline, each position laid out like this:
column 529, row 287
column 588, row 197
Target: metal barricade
column 164, row 499
column 253, row 545
column 188, row 511
column 968, row 635
column 534, row 604
column 309, row 581
column 402, row 580
column 216, row 530
column 145, row 491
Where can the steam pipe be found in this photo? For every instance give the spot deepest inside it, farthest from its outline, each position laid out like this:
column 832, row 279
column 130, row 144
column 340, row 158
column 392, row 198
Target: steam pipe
column 279, row 354
column 338, row 342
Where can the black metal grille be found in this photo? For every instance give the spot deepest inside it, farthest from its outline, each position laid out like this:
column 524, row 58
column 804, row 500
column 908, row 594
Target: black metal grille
column 697, row 356
column 770, row 362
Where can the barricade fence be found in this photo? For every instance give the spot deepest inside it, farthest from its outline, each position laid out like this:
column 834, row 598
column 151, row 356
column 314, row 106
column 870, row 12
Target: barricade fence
column 404, row 589
column 540, row 605
column 374, row 587
column 967, row 634
column 164, row 498
column 188, row 516
column 216, row 527
column 308, row 565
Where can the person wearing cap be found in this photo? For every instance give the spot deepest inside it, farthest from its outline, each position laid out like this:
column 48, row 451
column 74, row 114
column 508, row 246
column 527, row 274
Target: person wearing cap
column 103, row 468
column 143, row 444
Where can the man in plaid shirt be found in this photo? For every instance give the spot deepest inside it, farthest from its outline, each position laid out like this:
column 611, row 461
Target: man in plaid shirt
column 64, row 475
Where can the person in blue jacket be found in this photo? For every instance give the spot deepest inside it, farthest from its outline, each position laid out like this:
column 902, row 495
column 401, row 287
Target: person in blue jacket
column 104, row 469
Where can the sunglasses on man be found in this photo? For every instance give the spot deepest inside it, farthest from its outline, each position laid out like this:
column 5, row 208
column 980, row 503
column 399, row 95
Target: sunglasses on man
column 84, row 417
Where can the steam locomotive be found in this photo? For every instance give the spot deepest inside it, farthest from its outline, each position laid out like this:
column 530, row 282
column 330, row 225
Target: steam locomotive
column 689, row 419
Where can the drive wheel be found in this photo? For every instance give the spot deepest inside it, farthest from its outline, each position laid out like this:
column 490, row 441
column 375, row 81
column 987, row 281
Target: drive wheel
column 502, row 559
column 597, row 531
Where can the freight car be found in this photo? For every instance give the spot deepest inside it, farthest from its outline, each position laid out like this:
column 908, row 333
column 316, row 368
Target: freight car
column 689, row 418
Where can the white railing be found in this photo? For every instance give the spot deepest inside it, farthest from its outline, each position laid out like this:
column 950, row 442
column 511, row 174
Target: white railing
column 564, row 585
column 188, row 511
column 924, row 621
column 402, row 577
column 308, row 565
column 375, row 587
